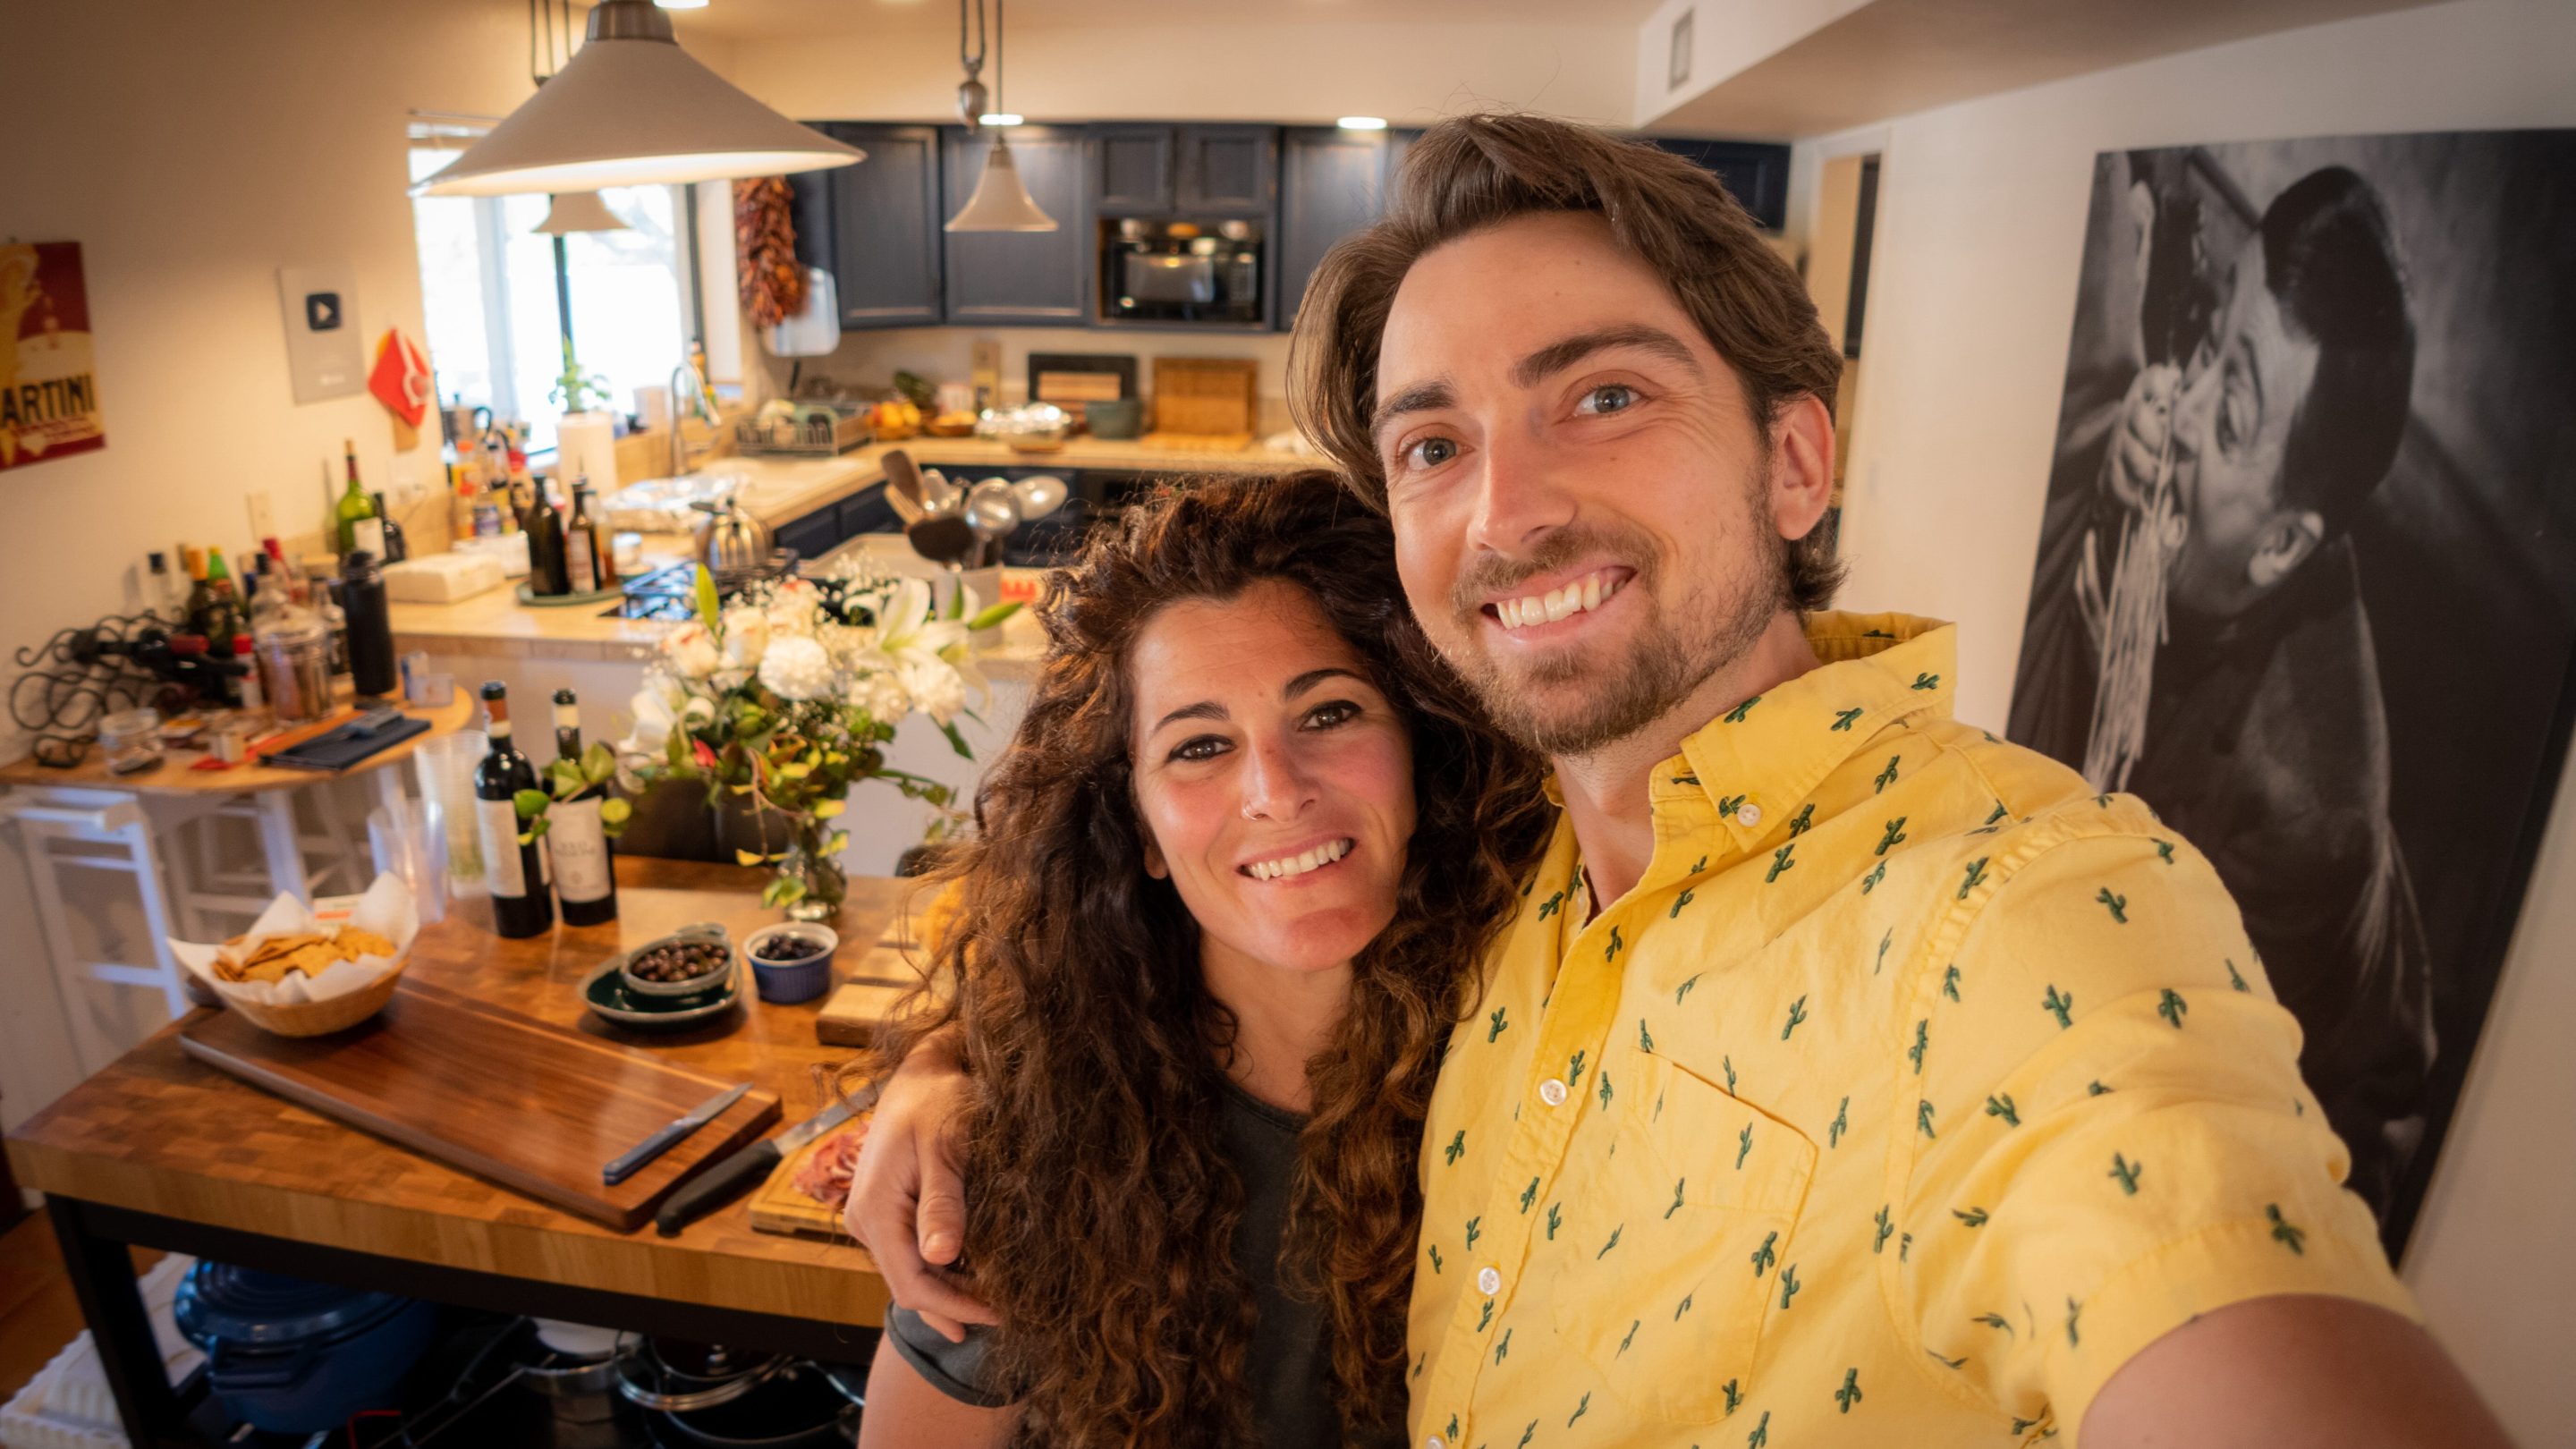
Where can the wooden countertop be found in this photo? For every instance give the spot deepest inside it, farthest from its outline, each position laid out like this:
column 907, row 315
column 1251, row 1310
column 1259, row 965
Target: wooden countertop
column 177, row 775
column 159, row 1132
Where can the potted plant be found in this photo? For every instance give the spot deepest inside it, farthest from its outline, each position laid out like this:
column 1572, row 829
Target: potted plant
column 786, row 698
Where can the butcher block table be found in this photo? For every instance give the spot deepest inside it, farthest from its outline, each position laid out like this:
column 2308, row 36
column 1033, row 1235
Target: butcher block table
column 163, row 1151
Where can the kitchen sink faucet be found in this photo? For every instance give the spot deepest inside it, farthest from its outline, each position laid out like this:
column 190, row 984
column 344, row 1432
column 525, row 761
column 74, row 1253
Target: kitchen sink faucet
column 696, row 403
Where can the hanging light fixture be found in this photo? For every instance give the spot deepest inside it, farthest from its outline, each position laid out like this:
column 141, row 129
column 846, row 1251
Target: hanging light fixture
column 1000, row 201
column 578, row 211
column 629, row 109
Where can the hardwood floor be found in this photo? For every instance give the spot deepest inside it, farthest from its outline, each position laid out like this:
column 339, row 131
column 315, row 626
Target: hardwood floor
column 38, row 1312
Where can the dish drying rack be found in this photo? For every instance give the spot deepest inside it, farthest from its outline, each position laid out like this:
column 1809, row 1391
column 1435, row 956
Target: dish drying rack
column 814, row 432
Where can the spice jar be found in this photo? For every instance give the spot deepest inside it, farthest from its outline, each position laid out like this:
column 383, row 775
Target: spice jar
column 131, row 739
column 295, row 664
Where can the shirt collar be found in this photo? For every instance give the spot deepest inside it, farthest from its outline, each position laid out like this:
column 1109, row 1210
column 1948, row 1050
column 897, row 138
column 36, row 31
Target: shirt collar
column 1771, row 751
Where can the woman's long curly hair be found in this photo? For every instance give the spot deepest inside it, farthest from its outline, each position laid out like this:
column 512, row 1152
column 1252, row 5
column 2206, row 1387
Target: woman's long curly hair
column 1102, row 1209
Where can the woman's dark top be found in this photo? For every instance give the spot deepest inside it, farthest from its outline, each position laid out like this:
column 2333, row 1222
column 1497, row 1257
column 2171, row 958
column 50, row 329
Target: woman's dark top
column 1290, row 1368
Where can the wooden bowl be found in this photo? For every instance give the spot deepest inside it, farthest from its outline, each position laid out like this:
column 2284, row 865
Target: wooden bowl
column 320, row 1018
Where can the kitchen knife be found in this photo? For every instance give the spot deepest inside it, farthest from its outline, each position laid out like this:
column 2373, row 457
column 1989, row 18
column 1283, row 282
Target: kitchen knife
column 717, row 1185
column 671, row 1136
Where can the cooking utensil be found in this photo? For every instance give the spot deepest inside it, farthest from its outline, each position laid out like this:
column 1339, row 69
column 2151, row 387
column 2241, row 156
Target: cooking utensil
column 719, row 1184
column 946, row 540
column 993, row 511
column 939, row 497
column 1039, row 496
column 903, row 486
column 671, row 1135
column 731, row 541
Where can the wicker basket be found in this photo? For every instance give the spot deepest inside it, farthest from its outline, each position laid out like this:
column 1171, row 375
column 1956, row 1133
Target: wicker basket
column 320, row 1018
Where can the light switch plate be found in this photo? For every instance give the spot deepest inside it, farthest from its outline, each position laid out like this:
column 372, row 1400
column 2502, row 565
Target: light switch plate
column 324, row 355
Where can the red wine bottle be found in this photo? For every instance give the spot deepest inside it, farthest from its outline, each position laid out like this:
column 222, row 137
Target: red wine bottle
column 586, row 891
column 515, row 872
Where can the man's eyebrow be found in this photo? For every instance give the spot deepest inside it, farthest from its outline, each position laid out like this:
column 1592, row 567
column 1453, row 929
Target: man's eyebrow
column 1204, row 709
column 1421, row 397
column 1554, row 358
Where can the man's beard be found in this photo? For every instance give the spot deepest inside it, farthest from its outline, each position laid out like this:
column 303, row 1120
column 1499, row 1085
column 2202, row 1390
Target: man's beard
column 1668, row 659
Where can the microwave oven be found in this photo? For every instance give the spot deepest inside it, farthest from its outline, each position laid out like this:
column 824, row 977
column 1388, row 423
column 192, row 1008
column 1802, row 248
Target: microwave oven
column 1180, row 272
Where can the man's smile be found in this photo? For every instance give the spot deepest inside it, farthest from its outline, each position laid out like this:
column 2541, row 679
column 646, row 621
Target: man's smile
column 1536, row 608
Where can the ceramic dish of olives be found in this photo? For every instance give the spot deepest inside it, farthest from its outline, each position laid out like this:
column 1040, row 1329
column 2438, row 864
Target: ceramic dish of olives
column 695, row 959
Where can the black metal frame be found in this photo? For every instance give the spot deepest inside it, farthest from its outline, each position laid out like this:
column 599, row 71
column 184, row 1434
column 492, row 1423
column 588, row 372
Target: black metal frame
column 94, row 1238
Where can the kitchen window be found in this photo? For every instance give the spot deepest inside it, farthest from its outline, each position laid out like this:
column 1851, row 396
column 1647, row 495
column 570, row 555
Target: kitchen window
column 501, row 301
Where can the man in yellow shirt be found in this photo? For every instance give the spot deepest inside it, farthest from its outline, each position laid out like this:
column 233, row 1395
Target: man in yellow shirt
column 1848, row 1076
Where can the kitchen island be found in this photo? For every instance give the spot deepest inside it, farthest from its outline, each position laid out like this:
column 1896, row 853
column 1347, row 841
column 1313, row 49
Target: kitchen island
column 163, row 1151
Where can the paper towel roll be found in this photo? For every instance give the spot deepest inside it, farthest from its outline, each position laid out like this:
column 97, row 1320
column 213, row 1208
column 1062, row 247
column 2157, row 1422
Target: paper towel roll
column 586, row 447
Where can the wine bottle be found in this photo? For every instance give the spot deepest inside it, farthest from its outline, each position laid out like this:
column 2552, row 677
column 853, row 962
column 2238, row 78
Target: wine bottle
column 547, row 574
column 588, row 555
column 397, row 544
column 587, row 889
column 516, row 873
column 360, row 527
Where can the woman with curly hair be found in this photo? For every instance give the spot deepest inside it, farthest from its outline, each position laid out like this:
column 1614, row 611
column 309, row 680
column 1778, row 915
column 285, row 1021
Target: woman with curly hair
column 1222, row 910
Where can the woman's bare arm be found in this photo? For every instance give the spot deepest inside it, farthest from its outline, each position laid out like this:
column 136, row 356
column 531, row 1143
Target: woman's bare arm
column 907, row 1203
column 905, row 1412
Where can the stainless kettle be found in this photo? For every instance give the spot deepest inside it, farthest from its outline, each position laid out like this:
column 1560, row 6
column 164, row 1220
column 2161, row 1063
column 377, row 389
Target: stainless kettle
column 731, row 541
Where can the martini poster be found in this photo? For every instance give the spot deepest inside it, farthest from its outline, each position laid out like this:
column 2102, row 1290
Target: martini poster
column 48, row 388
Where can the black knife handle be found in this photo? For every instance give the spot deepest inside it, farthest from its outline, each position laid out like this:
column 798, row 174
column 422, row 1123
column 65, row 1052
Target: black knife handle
column 715, row 1187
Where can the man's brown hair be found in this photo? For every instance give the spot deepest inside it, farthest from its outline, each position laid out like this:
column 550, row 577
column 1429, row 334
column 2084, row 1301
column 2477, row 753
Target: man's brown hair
column 1473, row 172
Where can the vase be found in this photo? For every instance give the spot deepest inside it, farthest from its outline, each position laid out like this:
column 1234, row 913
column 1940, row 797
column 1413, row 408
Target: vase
column 813, row 863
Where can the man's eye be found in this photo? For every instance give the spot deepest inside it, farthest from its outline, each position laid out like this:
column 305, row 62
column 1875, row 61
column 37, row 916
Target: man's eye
column 1200, row 747
column 1431, row 452
column 1610, row 397
column 1326, row 716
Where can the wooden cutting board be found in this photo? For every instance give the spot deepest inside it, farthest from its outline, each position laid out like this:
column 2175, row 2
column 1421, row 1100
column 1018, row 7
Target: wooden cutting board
column 1206, row 396
column 779, row 1208
column 532, row 1107
column 862, row 1004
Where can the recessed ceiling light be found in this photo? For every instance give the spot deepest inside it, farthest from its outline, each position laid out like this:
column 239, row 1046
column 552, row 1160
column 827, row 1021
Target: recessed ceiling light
column 682, row 4
column 999, row 118
column 1362, row 123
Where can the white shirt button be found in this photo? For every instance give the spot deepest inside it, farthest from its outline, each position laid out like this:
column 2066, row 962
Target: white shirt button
column 1748, row 815
column 1489, row 1282
column 1552, row 1092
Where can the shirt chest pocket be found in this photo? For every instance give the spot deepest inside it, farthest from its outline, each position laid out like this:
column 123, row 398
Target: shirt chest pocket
column 1695, row 1203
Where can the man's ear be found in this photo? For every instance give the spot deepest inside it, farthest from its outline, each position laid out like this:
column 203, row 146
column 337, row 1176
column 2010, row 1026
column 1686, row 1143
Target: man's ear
column 2288, row 541
column 1802, row 467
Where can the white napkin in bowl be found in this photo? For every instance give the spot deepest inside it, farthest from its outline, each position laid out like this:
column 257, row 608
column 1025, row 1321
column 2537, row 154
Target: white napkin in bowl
column 386, row 909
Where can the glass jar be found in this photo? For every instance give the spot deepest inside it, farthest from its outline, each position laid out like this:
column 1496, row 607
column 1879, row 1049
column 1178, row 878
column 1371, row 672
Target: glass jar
column 295, row 665
column 131, row 739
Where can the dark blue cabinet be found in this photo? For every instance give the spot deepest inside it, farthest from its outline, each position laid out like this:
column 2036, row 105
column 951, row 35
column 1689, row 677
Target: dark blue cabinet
column 1332, row 183
column 1188, row 171
column 1036, row 278
column 875, row 226
column 1133, row 170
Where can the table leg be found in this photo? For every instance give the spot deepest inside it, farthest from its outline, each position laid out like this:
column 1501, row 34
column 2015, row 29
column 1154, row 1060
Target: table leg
column 102, row 1274
column 277, row 841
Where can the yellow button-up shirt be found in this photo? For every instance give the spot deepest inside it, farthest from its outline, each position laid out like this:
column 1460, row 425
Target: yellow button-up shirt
column 1911, row 1091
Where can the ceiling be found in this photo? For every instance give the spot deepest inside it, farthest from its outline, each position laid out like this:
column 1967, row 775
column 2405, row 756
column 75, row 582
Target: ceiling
column 760, row 20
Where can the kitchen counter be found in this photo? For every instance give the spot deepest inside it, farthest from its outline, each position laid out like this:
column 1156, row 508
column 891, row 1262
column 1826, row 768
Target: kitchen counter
column 778, row 491
column 162, row 1150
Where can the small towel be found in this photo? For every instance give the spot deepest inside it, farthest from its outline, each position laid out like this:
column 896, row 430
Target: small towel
column 343, row 747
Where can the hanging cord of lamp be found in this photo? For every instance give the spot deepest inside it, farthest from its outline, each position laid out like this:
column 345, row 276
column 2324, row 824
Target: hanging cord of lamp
column 971, row 47
column 1001, row 202
column 549, row 38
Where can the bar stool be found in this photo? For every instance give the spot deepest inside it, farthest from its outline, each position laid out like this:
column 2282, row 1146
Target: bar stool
column 65, row 828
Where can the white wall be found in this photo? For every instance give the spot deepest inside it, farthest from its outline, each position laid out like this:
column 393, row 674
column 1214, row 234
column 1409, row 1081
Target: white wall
column 1981, row 222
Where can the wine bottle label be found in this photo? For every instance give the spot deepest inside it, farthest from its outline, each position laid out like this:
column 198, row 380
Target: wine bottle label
column 369, row 534
column 577, row 562
column 580, row 847
column 496, row 823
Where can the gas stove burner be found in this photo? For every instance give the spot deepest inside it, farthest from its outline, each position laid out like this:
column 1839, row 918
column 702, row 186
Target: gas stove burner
column 671, row 592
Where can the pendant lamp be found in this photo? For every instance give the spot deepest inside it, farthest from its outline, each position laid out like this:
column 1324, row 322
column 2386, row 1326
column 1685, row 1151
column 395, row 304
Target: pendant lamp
column 578, row 211
column 630, row 109
column 1001, row 202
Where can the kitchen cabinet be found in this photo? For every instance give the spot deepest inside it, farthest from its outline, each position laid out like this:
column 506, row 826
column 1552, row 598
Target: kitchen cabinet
column 1332, row 182
column 1034, row 278
column 1191, row 171
column 875, row 226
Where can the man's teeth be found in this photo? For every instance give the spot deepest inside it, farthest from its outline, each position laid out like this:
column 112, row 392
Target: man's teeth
column 1285, row 866
column 1582, row 594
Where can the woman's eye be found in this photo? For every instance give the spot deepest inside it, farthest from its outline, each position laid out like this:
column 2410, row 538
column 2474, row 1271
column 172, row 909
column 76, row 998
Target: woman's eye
column 1325, row 716
column 1430, row 452
column 1610, row 397
column 1202, row 747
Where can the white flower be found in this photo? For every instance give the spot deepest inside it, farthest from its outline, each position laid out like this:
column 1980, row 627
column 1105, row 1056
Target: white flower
column 653, row 723
column 793, row 607
column 796, row 667
column 746, row 635
column 936, row 689
column 690, row 651
column 882, row 695
column 906, row 632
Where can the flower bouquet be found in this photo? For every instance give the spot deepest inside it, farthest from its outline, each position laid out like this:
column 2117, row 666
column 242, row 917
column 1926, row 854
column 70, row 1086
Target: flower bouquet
column 787, row 697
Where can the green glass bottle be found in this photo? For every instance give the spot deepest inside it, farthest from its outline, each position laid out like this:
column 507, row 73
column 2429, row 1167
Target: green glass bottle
column 360, row 528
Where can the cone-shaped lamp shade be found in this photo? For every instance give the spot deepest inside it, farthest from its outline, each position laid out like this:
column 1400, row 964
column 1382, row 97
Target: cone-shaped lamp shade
column 578, row 211
column 1000, row 202
column 632, row 109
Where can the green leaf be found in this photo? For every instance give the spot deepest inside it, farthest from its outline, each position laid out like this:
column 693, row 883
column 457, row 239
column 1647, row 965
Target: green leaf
column 784, row 891
column 745, row 857
column 839, row 842
column 598, row 762
column 530, row 803
column 710, row 610
column 957, row 741
column 615, row 811
column 957, row 601
column 992, row 615
column 826, row 809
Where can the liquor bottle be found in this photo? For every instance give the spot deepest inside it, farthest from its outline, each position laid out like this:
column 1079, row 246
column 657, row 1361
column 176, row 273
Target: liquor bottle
column 370, row 623
column 324, row 591
column 397, row 544
column 547, row 575
column 588, row 555
column 360, row 527
column 587, row 889
column 223, row 610
column 515, row 872
column 201, row 594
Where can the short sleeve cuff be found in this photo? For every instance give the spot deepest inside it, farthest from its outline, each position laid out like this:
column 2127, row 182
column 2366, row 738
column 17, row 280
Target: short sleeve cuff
column 954, row 1369
column 2220, row 1265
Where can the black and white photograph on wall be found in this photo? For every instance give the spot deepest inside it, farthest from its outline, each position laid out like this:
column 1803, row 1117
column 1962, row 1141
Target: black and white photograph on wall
column 2307, row 572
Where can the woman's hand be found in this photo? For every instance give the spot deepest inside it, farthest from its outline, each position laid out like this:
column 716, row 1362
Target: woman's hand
column 907, row 1202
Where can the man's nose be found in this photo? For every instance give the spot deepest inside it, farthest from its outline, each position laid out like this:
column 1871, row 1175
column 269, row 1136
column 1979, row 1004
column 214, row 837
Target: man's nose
column 2193, row 408
column 1276, row 785
column 1520, row 496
